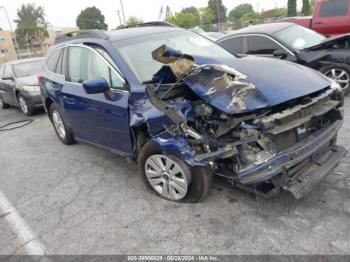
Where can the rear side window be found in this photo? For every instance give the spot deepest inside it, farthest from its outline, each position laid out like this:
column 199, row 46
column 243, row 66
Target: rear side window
column 51, row 62
column 334, row 8
column 234, row 45
column 1, row 70
column 261, row 45
column 84, row 64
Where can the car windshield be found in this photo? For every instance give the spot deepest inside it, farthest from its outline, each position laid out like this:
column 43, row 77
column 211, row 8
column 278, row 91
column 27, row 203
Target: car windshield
column 137, row 52
column 299, row 37
column 28, row 68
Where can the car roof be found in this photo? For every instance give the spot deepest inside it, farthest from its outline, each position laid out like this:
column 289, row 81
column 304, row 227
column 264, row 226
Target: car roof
column 267, row 29
column 20, row 61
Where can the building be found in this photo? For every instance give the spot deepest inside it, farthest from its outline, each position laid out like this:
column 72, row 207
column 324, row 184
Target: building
column 7, row 46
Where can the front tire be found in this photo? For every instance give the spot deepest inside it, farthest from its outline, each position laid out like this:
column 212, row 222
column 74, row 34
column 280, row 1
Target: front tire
column 170, row 177
column 3, row 105
column 62, row 130
column 24, row 106
column 340, row 73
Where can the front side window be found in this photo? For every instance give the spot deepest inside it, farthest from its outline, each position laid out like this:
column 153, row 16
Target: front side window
column 261, row 45
column 234, row 45
column 334, row 8
column 85, row 64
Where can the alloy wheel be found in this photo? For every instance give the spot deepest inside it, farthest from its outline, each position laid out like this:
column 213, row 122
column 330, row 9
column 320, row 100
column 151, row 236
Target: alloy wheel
column 340, row 76
column 23, row 104
column 167, row 177
column 58, row 123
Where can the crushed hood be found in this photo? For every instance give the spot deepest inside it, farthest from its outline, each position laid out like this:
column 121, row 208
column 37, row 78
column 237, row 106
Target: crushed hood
column 240, row 85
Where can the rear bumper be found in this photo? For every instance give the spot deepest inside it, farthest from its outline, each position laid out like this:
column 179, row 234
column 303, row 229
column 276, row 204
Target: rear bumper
column 318, row 142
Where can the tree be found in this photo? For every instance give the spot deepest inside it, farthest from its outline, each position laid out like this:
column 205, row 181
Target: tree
column 133, row 21
column 194, row 11
column 185, row 20
column 306, row 8
column 31, row 25
column 312, row 5
column 250, row 18
column 292, row 8
column 91, row 18
column 206, row 16
column 236, row 13
column 215, row 6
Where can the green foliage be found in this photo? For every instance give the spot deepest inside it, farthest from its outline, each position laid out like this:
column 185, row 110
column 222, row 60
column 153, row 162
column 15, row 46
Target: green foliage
column 133, row 21
column 236, row 13
column 206, row 16
column 214, row 5
column 91, row 18
column 312, row 5
column 306, row 8
column 31, row 25
column 194, row 11
column 185, row 20
column 251, row 18
column 292, row 8
column 273, row 13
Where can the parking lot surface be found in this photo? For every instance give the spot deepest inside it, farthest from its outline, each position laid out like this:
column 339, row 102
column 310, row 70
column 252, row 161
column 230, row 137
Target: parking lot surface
column 81, row 199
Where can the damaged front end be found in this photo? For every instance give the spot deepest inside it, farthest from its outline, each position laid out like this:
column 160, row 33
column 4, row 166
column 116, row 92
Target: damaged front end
column 221, row 120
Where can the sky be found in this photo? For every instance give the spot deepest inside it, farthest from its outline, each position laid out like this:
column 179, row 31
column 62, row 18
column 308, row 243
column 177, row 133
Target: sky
column 64, row 12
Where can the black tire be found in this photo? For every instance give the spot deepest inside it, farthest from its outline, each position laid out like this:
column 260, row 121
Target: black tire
column 27, row 110
column 3, row 105
column 68, row 138
column 344, row 67
column 201, row 177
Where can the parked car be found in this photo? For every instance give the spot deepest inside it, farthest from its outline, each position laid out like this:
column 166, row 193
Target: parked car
column 19, row 85
column 330, row 18
column 187, row 115
column 330, row 56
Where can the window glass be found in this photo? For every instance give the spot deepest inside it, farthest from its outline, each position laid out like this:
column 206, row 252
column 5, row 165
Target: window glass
column 52, row 60
column 28, row 68
column 261, row 45
column 334, row 8
column 1, row 70
column 59, row 63
column 137, row 51
column 234, row 45
column 8, row 71
column 84, row 64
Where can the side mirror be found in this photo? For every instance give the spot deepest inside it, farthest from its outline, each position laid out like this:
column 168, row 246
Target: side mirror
column 96, row 86
column 280, row 53
column 8, row 78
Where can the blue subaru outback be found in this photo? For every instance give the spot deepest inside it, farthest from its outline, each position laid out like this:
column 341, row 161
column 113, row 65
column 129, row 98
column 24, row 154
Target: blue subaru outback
column 185, row 110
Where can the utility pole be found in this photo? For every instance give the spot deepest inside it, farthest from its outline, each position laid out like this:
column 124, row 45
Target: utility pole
column 120, row 19
column 218, row 11
column 122, row 8
column 15, row 40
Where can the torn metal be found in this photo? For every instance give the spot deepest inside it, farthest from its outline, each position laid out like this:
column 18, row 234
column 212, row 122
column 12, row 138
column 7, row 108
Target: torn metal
column 217, row 120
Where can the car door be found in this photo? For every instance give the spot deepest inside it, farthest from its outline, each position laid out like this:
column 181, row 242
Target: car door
column 332, row 17
column 101, row 119
column 9, row 86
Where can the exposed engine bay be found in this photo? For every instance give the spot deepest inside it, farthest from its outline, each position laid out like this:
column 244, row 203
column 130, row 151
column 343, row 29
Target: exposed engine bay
column 242, row 145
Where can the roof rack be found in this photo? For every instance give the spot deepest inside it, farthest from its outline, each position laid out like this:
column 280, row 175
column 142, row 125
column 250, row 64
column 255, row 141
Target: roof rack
column 93, row 33
column 152, row 23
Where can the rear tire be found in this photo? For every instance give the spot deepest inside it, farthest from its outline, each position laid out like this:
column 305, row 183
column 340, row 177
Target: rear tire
column 62, row 130
column 198, row 179
column 340, row 73
column 3, row 105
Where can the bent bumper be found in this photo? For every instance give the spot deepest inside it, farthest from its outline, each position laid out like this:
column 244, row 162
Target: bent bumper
column 33, row 99
column 318, row 142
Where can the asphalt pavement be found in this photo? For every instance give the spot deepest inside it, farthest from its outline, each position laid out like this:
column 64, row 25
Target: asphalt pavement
column 81, row 199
